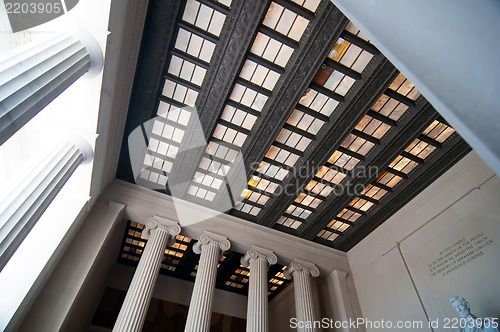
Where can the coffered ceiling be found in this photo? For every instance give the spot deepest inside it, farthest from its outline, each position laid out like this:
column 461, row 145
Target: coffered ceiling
column 332, row 137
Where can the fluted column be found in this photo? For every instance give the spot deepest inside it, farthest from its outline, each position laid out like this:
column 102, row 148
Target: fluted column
column 35, row 74
column 301, row 271
column 28, row 199
column 132, row 315
column 259, row 260
column 211, row 247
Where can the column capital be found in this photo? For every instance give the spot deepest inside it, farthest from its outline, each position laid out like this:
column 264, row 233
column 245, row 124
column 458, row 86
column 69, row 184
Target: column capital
column 255, row 253
column 155, row 222
column 211, row 238
column 301, row 266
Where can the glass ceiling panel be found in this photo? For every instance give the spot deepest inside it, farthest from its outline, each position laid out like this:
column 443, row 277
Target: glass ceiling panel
column 355, row 31
column 248, row 97
column 389, row 107
column 259, row 75
column 373, row 127
column 438, row 131
column 319, row 102
column 271, row 49
column 289, row 222
column 285, row 21
column 273, row 171
column 420, row 149
column 186, row 70
column 179, row 93
column 404, row 87
column 308, row 4
column 204, row 17
column 194, row 45
column 238, row 117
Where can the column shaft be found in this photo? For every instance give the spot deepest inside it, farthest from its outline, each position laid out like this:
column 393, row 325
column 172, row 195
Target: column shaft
column 135, row 306
column 35, row 74
column 211, row 247
column 301, row 271
column 200, row 308
column 21, row 209
column 304, row 306
column 257, row 310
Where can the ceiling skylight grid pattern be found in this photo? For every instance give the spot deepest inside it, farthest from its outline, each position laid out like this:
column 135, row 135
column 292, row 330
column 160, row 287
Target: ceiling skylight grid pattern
column 398, row 170
column 324, row 103
column 257, row 79
column 330, row 176
column 196, row 39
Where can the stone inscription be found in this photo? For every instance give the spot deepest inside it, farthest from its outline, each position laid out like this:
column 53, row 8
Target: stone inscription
column 459, row 254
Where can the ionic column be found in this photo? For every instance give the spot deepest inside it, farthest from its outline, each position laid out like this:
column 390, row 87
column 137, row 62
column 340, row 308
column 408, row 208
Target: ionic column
column 35, row 74
column 259, row 260
column 132, row 315
column 211, row 247
column 301, row 271
column 28, row 199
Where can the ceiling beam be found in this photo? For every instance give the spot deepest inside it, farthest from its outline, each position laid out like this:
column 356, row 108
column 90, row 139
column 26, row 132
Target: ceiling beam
column 158, row 35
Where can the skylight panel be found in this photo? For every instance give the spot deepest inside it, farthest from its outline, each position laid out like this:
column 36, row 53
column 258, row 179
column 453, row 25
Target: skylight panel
column 226, row 3
column 339, row 82
column 403, row 164
column 311, row 5
column 238, row 117
column 214, row 166
column 327, row 235
column 350, row 55
column 289, row 222
column 201, row 193
column 349, row 215
column 282, row 156
column 305, row 122
column 330, row 175
column 343, row 160
column 293, row 139
column 373, row 127
column 338, row 225
column 373, row 192
column 263, row 184
column 361, row 204
column 404, row 87
column 258, row 198
column 194, row 45
column 389, row 107
column 204, row 17
column 273, row 171
column 220, row 151
column 207, row 180
column 438, row 131
column 318, row 188
column 308, row 200
column 229, row 135
column 179, row 93
column 271, row 49
column 388, row 179
column 187, row 70
column 259, row 74
column 357, row 144
column 298, row 212
column 173, row 113
column 285, row 21
column 355, row 31
column 248, row 97
column 247, row 208
column 420, row 149
column 319, row 102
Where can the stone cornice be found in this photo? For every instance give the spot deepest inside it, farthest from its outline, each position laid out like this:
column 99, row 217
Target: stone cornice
column 141, row 203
